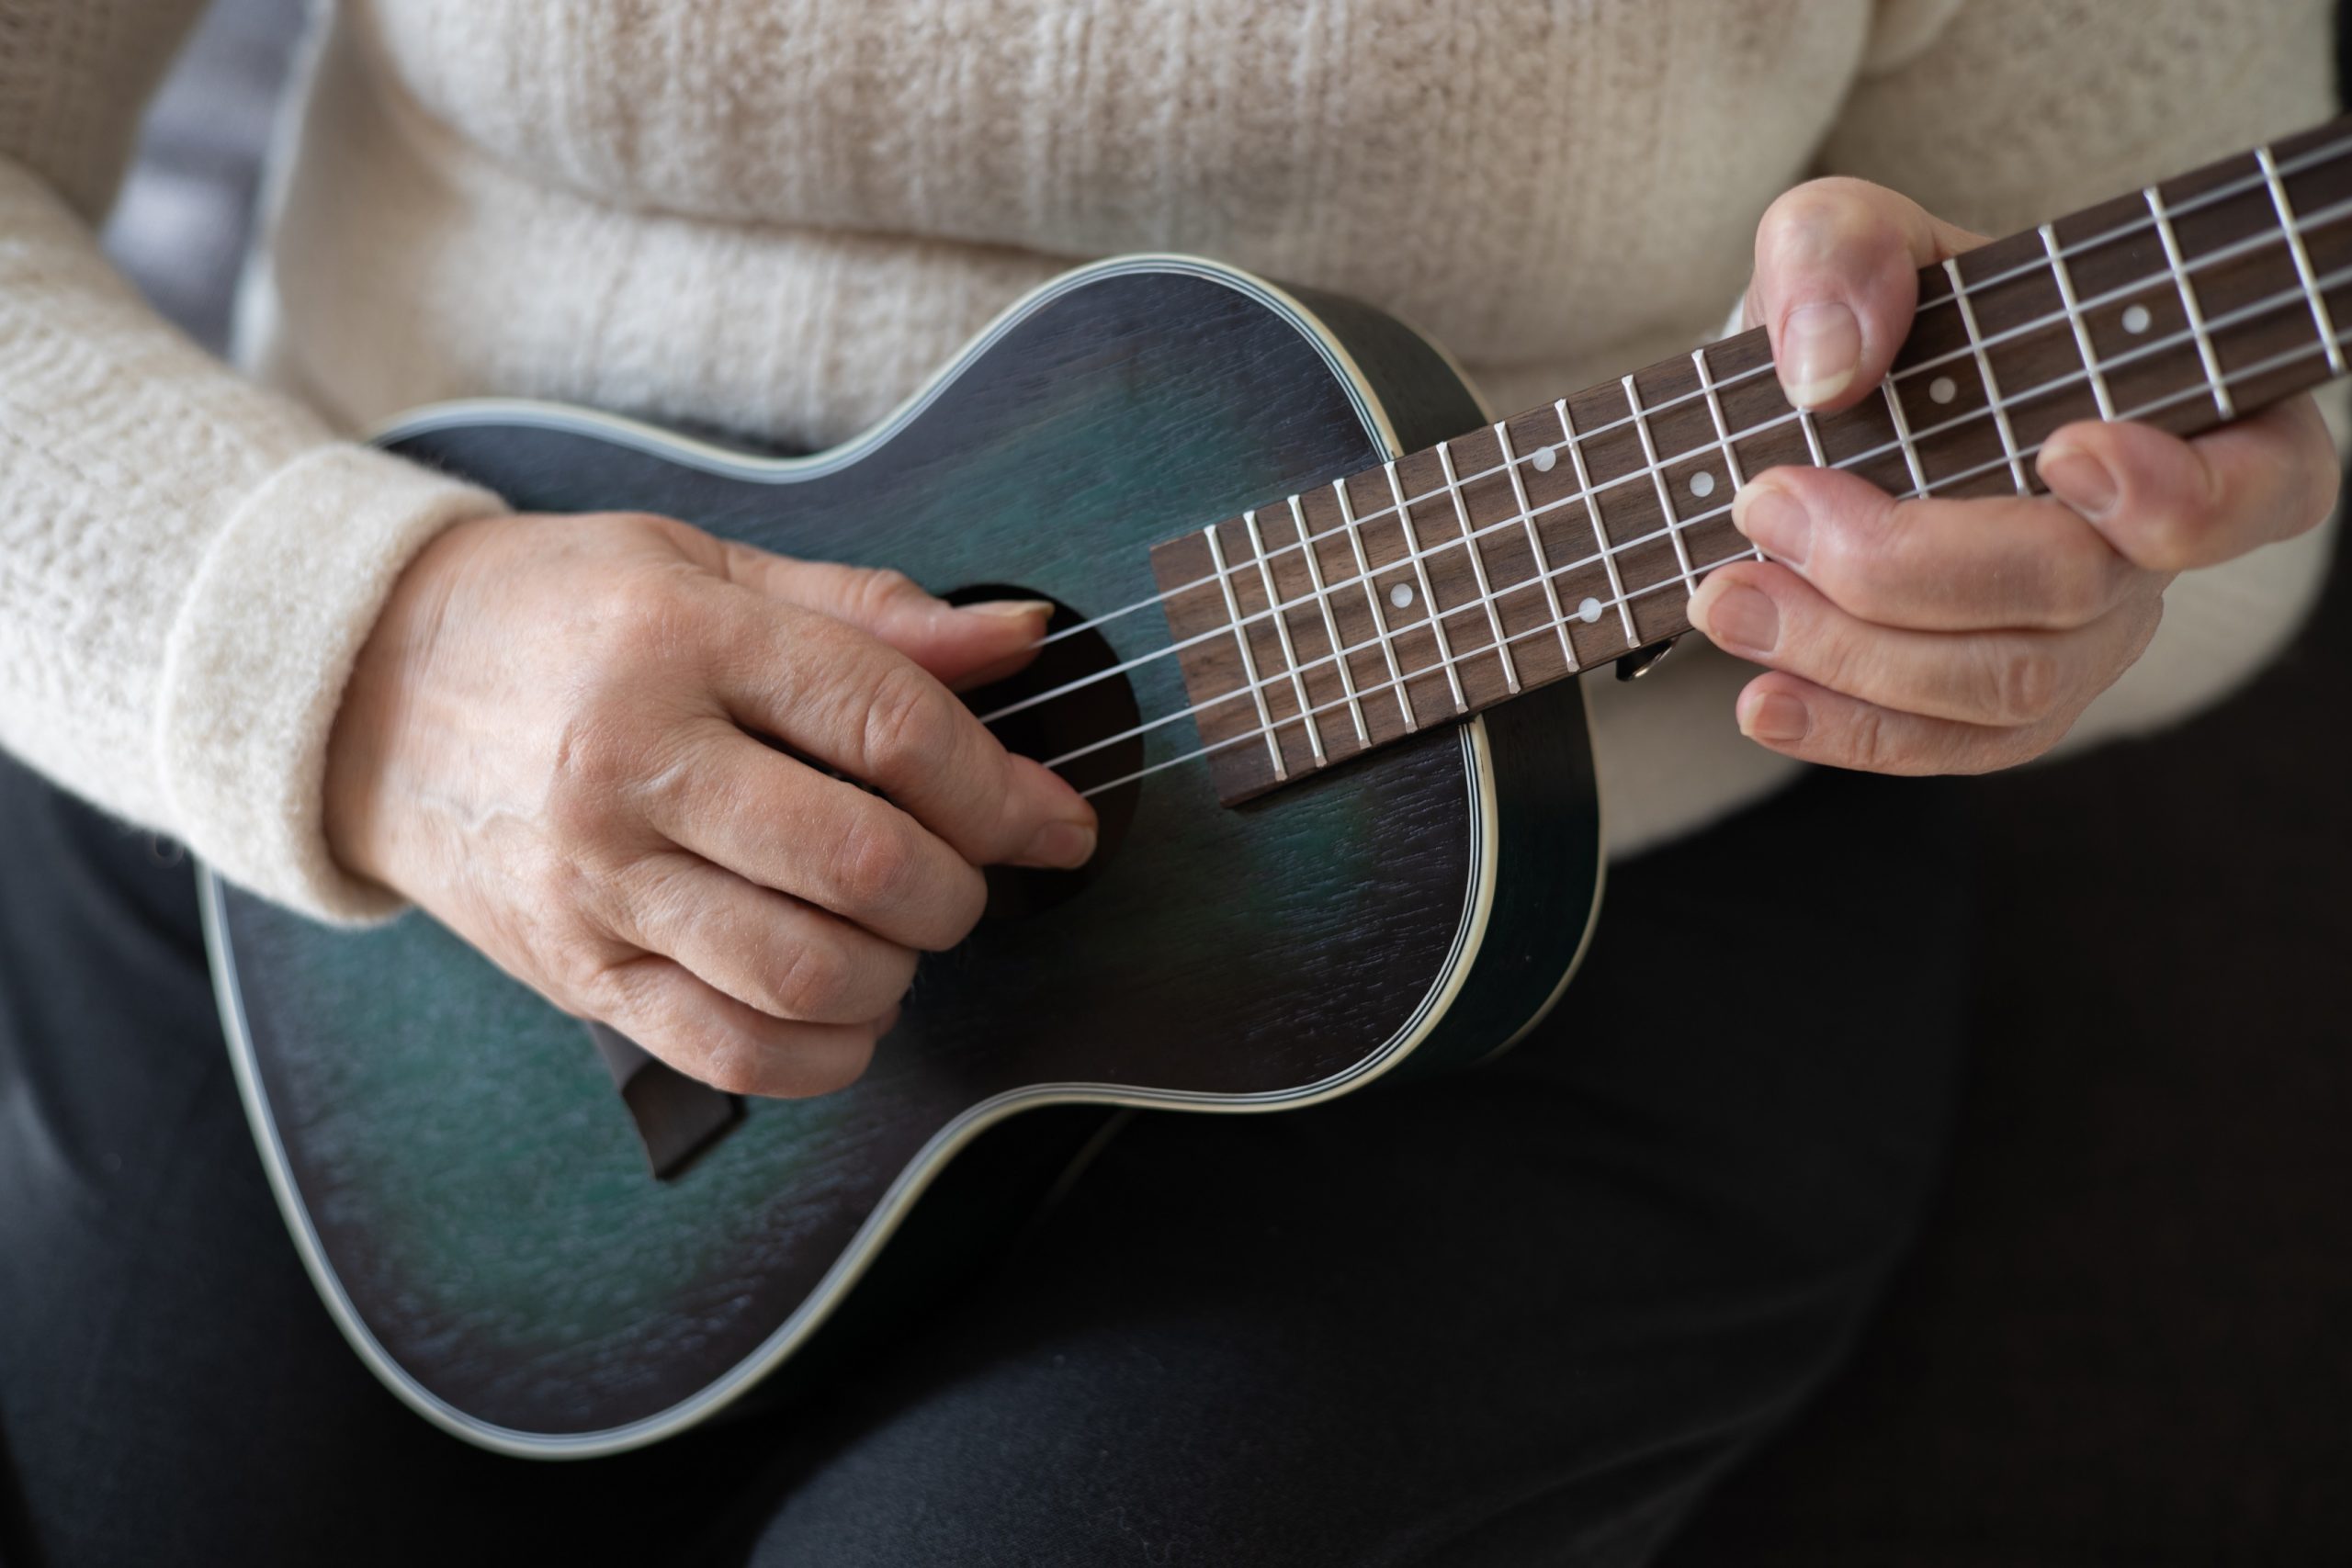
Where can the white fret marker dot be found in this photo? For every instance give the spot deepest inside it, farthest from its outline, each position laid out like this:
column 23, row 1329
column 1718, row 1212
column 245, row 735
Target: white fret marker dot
column 1589, row 612
column 1702, row 483
column 1400, row 596
column 1542, row 460
column 1943, row 390
column 2136, row 320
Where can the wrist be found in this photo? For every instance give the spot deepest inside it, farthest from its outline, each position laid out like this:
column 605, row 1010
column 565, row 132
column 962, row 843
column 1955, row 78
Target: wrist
column 372, row 788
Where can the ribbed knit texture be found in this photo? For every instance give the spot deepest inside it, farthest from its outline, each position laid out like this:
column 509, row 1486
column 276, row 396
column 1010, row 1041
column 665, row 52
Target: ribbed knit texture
column 779, row 215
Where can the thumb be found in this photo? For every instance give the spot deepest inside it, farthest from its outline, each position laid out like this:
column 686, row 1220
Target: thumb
column 1836, row 281
column 961, row 646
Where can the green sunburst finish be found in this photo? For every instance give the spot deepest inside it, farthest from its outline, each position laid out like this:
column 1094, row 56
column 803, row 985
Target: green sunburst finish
column 450, row 1149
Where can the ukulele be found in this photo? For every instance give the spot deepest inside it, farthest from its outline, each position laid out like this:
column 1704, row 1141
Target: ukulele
column 1313, row 613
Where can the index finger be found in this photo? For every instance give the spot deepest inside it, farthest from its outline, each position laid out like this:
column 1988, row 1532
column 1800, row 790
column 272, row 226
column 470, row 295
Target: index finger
column 1934, row 563
column 837, row 694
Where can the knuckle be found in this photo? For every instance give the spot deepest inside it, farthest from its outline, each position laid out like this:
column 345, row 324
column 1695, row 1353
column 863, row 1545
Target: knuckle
column 549, row 883
column 1805, row 212
column 841, row 1068
column 958, row 906
column 1860, row 555
column 807, row 979
column 2081, row 585
column 734, row 1068
column 875, row 589
column 748, row 565
column 1846, row 570
column 563, row 941
column 590, row 981
column 2024, row 683
column 903, row 722
column 647, row 616
column 1842, row 663
column 875, row 865
column 1791, row 210
column 1869, row 744
column 2169, row 542
column 596, row 761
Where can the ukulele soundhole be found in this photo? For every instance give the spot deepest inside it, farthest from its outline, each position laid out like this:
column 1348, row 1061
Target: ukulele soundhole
column 1089, row 734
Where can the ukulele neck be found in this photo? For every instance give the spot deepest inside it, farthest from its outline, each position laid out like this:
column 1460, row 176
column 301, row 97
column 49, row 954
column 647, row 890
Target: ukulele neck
column 1417, row 592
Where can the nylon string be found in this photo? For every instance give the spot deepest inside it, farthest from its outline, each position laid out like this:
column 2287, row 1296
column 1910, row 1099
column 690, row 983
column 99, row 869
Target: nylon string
column 1997, row 410
column 2219, row 193
column 1414, row 555
column 2264, row 368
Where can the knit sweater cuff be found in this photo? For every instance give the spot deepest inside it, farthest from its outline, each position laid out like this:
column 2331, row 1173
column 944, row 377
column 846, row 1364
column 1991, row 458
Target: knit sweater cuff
column 259, row 655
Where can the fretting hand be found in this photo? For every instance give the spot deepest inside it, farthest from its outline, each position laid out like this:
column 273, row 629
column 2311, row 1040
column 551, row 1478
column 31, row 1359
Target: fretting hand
column 547, row 743
column 1939, row 636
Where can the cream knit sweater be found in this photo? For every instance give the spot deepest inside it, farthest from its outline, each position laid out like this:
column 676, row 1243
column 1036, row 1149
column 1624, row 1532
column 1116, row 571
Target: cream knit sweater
column 781, row 215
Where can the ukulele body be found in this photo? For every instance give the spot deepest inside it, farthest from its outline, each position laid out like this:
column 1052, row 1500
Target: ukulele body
column 458, row 1173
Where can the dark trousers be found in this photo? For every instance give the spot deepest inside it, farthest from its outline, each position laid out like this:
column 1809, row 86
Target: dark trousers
column 1522, row 1315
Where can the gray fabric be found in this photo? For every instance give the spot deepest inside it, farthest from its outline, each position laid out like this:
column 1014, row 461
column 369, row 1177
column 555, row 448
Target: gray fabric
column 181, row 224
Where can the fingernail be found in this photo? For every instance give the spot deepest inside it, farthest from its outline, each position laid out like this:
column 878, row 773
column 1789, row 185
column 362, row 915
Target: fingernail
column 1743, row 620
column 1821, row 346
column 1009, row 608
column 1774, row 519
column 2081, row 480
column 1775, row 717
column 1068, row 845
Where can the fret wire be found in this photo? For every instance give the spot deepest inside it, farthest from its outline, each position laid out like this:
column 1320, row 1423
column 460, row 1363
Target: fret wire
column 1592, row 515
column 2243, row 314
column 2231, row 252
column 1715, row 412
column 1478, row 565
column 2249, row 372
column 1282, row 634
column 1997, row 408
column 2066, row 280
column 1812, row 437
column 1428, row 596
column 2306, row 222
column 1249, row 662
column 1722, row 441
column 2311, row 158
column 1372, row 599
column 1903, row 433
column 1665, row 491
column 1535, row 543
column 1955, row 422
column 2189, row 306
column 1985, row 377
column 2321, row 314
column 2244, row 373
column 1330, row 625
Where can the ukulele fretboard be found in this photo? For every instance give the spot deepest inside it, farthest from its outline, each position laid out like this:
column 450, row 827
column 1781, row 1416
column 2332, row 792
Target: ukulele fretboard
column 1415, row 593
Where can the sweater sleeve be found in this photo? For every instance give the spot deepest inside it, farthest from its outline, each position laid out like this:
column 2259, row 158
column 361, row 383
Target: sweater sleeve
column 189, row 563
column 2000, row 114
